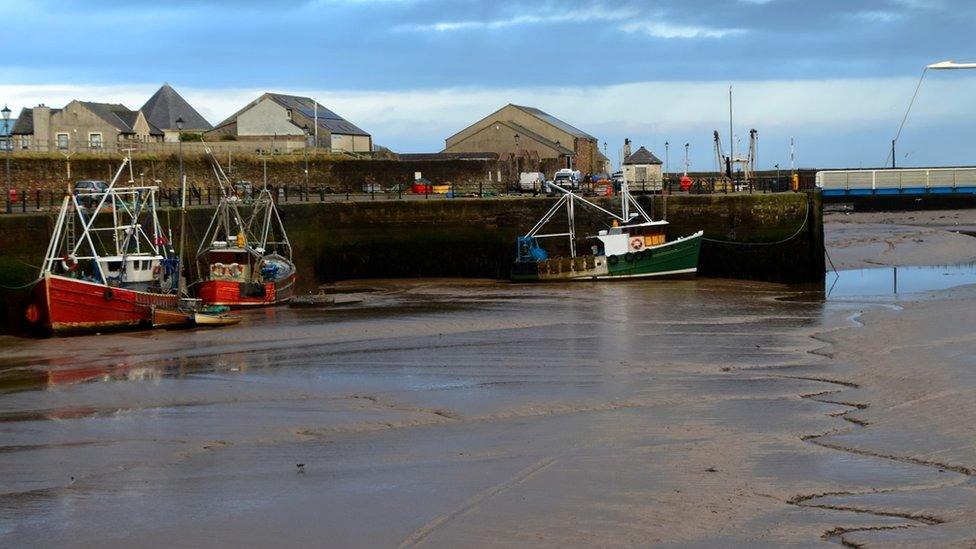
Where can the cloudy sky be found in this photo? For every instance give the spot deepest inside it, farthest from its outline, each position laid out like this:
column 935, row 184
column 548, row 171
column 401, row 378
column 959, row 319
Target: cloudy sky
column 837, row 75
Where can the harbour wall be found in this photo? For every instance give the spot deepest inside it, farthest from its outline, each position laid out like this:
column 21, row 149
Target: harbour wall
column 30, row 173
column 769, row 237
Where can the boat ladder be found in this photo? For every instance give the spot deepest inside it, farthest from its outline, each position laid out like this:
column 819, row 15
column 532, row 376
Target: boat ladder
column 69, row 234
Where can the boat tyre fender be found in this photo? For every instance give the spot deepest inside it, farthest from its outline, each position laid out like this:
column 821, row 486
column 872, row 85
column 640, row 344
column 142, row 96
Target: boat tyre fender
column 645, row 254
column 629, row 257
column 108, row 295
column 613, row 260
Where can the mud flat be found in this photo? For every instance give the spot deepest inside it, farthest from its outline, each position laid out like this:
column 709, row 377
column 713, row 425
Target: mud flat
column 443, row 413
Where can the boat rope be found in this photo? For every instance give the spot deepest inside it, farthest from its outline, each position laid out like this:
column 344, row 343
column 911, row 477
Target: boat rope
column 778, row 242
column 28, row 285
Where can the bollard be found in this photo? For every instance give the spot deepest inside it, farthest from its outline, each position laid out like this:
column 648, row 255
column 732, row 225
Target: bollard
column 321, row 193
column 23, row 201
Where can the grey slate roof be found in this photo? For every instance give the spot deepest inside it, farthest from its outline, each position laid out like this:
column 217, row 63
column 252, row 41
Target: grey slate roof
column 642, row 156
column 305, row 107
column 166, row 105
column 550, row 119
column 25, row 123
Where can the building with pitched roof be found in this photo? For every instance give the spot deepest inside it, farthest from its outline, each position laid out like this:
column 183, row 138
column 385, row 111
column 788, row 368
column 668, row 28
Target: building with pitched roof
column 165, row 107
column 289, row 117
column 643, row 169
column 81, row 126
column 539, row 134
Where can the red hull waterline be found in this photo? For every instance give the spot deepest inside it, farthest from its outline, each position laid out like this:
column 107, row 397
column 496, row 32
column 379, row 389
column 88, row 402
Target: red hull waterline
column 228, row 293
column 66, row 305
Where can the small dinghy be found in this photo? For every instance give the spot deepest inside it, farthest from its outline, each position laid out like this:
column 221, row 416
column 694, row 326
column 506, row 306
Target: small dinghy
column 215, row 319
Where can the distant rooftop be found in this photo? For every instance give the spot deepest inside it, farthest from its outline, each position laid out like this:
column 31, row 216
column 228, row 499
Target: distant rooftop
column 166, row 106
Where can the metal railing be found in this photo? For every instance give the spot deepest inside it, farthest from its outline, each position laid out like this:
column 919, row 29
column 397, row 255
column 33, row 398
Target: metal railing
column 900, row 179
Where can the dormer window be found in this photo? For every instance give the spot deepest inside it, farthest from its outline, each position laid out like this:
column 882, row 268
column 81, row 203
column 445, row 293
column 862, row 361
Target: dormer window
column 289, row 114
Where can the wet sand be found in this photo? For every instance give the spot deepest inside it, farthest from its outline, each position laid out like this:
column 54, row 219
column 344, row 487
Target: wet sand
column 451, row 413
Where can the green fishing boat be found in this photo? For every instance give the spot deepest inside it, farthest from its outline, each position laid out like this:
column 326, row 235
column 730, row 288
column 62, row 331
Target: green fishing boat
column 634, row 246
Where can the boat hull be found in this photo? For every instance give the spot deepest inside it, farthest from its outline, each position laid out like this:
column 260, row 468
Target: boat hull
column 68, row 306
column 674, row 259
column 236, row 295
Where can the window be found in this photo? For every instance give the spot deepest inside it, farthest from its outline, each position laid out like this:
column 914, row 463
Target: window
column 62, row 141
column 95, row 140
column 289, row 114
column 25, row 142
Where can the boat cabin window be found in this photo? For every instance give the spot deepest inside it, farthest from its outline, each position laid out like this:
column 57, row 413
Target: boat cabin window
column 114, row 265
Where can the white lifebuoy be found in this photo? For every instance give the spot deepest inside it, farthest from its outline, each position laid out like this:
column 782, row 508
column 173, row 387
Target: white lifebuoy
column 637, row 243
column 69, row 262
column 234, row 269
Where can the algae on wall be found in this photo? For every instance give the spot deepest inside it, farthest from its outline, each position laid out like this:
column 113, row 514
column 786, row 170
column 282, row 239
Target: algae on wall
column 776, row 237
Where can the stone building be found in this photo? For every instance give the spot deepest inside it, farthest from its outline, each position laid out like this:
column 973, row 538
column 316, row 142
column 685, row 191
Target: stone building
column 165, row 107
column 81, row 126
column 275, row 116
column 643, row 169
column 539, row 135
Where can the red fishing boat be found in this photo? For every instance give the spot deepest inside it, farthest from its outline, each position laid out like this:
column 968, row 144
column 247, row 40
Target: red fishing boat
column 109, row 266
column 244, row 262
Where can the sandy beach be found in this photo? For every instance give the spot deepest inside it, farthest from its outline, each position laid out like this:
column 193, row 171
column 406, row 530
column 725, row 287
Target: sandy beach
column 449, row 413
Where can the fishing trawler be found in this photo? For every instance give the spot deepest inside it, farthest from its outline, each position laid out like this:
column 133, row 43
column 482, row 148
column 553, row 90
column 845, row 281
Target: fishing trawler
column 244, row 263
column 110, row 266
column 634, row 246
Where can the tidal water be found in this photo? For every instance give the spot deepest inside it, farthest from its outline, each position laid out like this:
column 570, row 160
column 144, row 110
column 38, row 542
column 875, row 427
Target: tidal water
column 892, row 281
column 437, row 412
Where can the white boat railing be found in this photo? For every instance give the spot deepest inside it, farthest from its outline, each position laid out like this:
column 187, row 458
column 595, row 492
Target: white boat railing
column 898, row 178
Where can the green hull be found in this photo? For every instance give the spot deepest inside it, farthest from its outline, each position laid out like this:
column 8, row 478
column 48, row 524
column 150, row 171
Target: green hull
column 676, row 258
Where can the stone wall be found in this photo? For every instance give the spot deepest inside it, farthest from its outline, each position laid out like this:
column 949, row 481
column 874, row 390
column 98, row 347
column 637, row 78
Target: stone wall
column 46, row 172
column 775, row 237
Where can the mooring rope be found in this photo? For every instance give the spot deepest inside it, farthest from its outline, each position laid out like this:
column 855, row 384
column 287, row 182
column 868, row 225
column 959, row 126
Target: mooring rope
column 785, row 240
column 29, row 284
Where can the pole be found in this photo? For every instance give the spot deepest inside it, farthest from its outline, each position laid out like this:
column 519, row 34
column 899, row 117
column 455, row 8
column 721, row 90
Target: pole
column 892, row 154
column 686, row 157
column 182, row 176
column 731, row 136
column 9, row 146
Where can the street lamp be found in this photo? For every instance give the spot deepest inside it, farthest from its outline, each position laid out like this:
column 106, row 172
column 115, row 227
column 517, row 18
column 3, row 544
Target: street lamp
column 9, row 144
column 667, row 145
column 305, row 152
column 517, row 138
column 179, row 128
column 940, row 66
column 687, row 145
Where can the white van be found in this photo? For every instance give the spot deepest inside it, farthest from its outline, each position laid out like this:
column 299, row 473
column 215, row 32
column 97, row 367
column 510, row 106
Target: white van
column 567, row 179
column 532, row 181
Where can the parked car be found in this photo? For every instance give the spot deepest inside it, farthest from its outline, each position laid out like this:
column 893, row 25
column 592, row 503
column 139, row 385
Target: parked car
column 90, row 192
column 532, row 181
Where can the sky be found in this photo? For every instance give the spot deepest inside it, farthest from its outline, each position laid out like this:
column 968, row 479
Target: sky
column 835, row 76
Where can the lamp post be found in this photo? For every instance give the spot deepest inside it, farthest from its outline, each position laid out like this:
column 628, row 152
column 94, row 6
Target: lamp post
column 777, row 175
column 517, row 172
column 9, row 143
column 687, row 145
column 179, row 128
column 940, row 66
column 305, row 152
